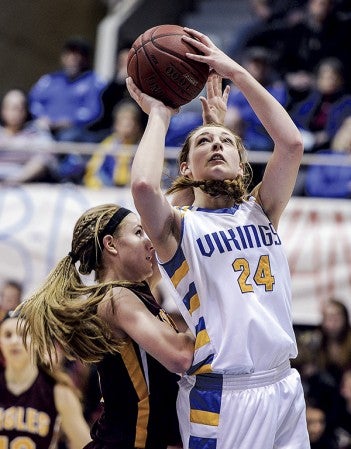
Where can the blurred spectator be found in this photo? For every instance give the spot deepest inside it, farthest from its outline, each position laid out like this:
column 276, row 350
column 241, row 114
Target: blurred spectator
column 180, row 125
column 321, row 114
column 21, row 158
column 335, row 339
column 310, row 31
column 332, row 181
column 115, row 92
column 320, row 436
column 240, row 116
column 110, row 165
column 316, row 381
column 68, row 100
column 344, row 416
column 10, row 296
column 268, row 17
column 322, row 33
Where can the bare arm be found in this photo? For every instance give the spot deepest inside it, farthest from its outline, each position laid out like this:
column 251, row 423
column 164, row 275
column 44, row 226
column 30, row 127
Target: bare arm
column 159, row 219
column 281, row 171
column 174, row 350
column 74, row 425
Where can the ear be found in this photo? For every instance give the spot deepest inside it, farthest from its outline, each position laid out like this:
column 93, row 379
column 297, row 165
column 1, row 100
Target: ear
column 184, row 169
column 109, row 244
column 241, row 169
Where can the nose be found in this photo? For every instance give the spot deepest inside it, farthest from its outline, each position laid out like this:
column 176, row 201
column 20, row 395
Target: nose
column 15, row 339
column 217, row 144
column 148, row 243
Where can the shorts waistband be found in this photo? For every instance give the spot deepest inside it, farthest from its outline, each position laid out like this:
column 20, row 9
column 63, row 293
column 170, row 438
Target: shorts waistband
column 214, row 381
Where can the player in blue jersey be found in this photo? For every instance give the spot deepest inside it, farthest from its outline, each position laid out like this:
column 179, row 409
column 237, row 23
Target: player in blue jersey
column 223, row 260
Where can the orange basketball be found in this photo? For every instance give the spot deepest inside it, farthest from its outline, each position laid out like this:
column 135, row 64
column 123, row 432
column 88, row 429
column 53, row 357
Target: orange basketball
column 159, row 67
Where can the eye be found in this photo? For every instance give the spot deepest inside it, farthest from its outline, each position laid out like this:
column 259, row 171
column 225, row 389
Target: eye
column 203, row 140
column 139, row 232
column 228, row 140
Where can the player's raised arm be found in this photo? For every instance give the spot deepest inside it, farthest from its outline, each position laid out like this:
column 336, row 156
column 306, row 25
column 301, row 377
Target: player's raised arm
column 281, row 171
column 158, row 216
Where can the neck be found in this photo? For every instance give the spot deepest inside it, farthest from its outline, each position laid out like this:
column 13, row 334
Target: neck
column 12, row 130
column 19, row 379
column 206, row 201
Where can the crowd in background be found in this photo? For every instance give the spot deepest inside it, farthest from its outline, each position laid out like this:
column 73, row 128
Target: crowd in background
column 301, row 54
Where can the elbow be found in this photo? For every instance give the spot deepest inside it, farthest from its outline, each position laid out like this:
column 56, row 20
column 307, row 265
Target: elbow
column 183, row 358
column 296, row 144
column 293, row 147
column 141, row 189
column 182, row 363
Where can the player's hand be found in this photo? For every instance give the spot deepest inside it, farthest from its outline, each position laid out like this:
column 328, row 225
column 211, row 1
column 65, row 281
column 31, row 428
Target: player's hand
column 210, row 54
column 214, row 107
column 146, row 102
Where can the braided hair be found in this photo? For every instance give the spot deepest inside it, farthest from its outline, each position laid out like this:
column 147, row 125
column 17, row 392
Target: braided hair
column 64, row 310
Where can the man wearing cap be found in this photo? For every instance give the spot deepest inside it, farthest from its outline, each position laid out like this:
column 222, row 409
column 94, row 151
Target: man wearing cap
column 67, row 100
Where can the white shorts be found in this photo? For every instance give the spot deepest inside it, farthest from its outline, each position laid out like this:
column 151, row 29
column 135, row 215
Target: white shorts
column 264, row 410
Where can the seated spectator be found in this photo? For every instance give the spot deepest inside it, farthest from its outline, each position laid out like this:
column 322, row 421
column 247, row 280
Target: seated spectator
column 322, row 33
column 110, row 165
column 334, row 352
column 317, row 382
column 180, row 125
column 322, row 112
column 240, row 115
column 21, row 158
column 10, row 296
column 320, row 436
column 334, row 180
column 241, row 118
column 68, row 100
column 344, row 416
column 267, row 18
column 114, row 92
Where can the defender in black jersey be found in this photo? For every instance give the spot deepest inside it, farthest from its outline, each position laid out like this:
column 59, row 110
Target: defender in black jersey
column 139, row 395
column 117, row 324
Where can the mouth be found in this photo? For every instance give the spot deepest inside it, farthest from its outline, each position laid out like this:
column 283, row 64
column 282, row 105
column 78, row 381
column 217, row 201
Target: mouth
column 217, row 157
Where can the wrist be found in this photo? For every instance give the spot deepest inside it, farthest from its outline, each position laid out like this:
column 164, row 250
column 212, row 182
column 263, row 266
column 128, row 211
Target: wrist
column 161, row 112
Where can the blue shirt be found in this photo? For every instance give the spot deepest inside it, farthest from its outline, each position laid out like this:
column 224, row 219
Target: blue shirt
column 58, row 97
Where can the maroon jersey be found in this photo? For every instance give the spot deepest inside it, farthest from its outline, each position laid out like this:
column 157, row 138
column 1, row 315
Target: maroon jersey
column 139, row 409
column 29, row 420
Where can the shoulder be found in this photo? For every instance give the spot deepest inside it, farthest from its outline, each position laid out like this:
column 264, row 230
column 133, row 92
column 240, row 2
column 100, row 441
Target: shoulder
column 48, row 78
column 120, row 303
column 65, row 397
column 94, row 79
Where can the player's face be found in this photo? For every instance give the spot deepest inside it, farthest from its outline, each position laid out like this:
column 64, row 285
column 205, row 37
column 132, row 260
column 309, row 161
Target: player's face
column 11, row 343
column 135, row 250
column 213, row 155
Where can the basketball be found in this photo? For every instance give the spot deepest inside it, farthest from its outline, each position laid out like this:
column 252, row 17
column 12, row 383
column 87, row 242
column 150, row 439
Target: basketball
column 159, row 67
